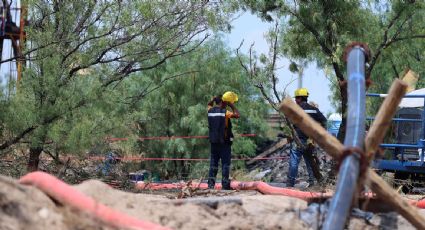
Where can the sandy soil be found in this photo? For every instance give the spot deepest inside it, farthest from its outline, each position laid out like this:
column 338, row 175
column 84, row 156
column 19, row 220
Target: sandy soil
column 256, row 211
column 25, row 207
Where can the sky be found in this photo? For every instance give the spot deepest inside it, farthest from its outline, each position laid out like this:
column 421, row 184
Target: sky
column 251, row 29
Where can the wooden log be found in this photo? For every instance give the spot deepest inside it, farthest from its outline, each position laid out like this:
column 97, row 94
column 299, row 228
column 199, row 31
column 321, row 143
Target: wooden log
column 269, row 151
column 310, row 127
column 383, row 119
column 334, row 148
column 387, row 194
column 376, row 135
column 411, row 79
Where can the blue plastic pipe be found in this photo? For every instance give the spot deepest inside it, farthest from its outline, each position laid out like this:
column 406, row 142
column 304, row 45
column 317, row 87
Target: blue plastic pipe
column 340, row 206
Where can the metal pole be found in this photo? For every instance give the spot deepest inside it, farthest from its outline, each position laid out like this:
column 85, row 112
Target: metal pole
column 421, row 157
column 349, row 171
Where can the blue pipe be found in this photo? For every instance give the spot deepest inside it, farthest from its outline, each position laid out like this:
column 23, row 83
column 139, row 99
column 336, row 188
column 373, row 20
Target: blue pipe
column 405, row 96
column 398, row 119
column 355, row 133
column 405, row 146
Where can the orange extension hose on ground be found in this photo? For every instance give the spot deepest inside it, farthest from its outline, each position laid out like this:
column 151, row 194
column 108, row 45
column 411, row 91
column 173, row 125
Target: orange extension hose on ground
column 67, row 195
column 261, row 187
column 417, row 203
column 254, row 185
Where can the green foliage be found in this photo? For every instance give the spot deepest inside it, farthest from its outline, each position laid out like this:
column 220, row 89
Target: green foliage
column 319, row 30
column 293, row 67
column 81, row 53
column 179, row 108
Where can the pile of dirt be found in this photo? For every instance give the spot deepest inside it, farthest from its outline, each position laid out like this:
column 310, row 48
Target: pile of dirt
column 25, row 207
column 254, row 211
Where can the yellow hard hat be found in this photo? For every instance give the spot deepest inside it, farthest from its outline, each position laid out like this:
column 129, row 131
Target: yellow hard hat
column 302, row 92
column 230, row 96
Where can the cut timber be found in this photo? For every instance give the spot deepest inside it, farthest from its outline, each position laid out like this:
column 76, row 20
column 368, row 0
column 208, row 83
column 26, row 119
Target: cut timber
column 400, row 205
column 269, row 151
column 334, row 148
column 410, row 78
column 383, row 119
column 374, row 137
column 311, row 128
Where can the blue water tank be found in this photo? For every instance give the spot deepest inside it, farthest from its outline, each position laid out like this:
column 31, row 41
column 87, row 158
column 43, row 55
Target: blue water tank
column 334, row 121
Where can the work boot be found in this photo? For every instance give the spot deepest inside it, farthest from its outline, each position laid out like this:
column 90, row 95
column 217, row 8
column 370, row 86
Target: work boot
column 225, row 185
column 289, row 183
column 211, row 183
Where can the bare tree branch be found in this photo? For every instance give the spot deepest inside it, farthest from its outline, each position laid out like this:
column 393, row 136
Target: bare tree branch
column 385, row 41
column 273, row 65
column 147, row 90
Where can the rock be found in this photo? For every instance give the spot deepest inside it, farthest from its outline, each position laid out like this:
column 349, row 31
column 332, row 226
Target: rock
column 262, row 174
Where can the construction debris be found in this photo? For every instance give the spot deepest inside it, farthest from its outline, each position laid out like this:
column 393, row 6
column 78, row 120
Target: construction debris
column 335, row 149
column 275, row 169
column 272, row 149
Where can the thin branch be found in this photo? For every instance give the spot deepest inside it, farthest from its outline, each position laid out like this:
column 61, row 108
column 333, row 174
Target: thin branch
column 418, row 36
column 252, row 74
column 274, row 59
column 384, row 42
column 147, row 91
column 176, row 52
column 394, row 68
column 17, row 138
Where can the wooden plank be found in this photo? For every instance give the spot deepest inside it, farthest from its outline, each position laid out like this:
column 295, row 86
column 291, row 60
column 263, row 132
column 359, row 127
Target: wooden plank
column 383, row 119
column 270, row 150
column 334, row 148
column 411, row 79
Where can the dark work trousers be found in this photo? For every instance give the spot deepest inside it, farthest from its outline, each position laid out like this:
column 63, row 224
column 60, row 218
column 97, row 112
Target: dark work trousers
column 296, row 153
column 223, row 152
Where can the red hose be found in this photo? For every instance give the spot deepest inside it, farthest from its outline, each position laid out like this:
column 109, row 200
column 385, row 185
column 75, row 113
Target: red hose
column 67, row 195
column 263, row 188
column 255, row 185
column 417, row 203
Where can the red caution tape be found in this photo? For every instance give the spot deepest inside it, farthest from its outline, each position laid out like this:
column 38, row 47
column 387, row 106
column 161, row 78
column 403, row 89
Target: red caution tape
column 236, row 185
column 136, row 158
column 139, row 158
column 112, row 139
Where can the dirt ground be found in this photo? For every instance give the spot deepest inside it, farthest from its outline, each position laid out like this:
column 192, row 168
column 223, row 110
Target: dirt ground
column 25, row 207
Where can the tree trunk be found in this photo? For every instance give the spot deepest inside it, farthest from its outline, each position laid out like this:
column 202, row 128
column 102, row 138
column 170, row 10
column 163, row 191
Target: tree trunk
column 34, row 159
column 341, row 132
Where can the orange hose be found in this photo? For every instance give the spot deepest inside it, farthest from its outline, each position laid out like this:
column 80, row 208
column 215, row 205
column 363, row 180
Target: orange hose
column 67, row 195
column 236, row 185
column 261, row 187
column 417, row 203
